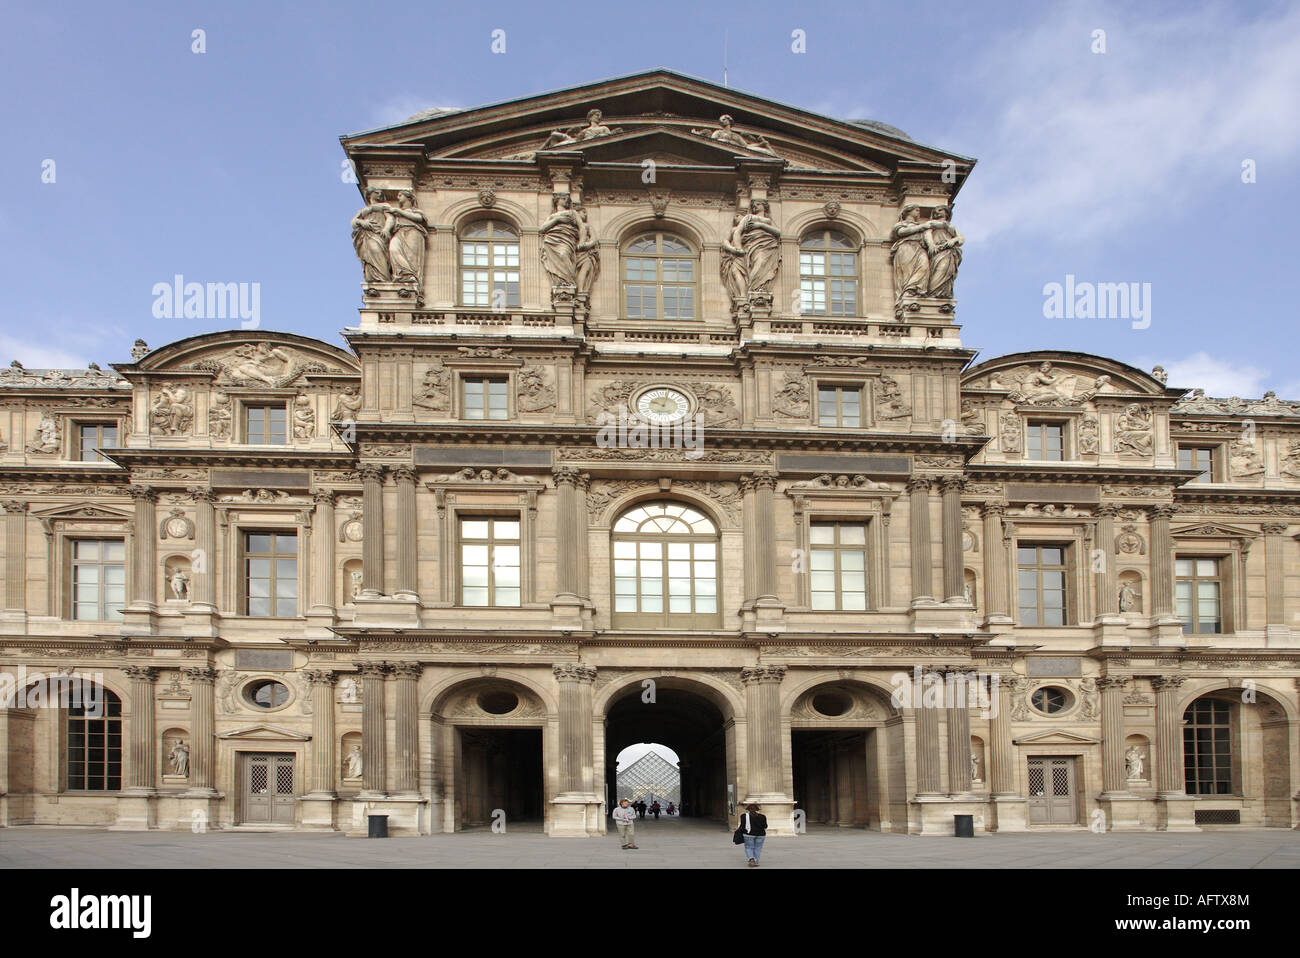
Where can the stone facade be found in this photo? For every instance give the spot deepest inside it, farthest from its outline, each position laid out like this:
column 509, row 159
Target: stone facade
column 427, row 578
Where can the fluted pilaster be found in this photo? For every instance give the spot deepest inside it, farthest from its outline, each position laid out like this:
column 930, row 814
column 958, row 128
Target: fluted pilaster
column 1113, row 775
column 324, row 763
column 1170, row 782
column 1275, row 572
column 1003, row 751
column 958, row 716
column 1162, row 562
column 203, row 734
column 406, row 771
column 203, row 567
column 15, row 554
column 374, row 756
column 995, row 562
column 1107, row 578
column 144, row 770
column 577, row 775
column 372, row 524
column 954, row 586
column 323, row 587
column 145, row 528
column 763, row 704
column 918, row 488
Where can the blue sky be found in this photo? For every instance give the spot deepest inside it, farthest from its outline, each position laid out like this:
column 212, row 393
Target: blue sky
column 1123, row 166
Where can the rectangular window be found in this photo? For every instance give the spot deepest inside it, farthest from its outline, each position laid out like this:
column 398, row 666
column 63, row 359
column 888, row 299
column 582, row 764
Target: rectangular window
column 1197, row 457
column 489, row 561
column 1046, row 441
column 93, row 436
column 264, row 425
column 489, row 274
column 1198, row 594
column 837, row 566
column 271, row 574
column 1041, row 584
column 1207, row 748
column 98, row 579
column 839, row 406
column 95, row 745
column 486, row 398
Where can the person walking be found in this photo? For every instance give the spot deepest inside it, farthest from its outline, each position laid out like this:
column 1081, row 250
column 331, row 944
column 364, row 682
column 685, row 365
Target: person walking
column 754, row 831
column 654, row 809
column 625, row 818
column 640, row 808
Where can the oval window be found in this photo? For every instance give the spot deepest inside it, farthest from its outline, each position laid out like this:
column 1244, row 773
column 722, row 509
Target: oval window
column 498, row 701
column 1051, row 699
column 267, row 694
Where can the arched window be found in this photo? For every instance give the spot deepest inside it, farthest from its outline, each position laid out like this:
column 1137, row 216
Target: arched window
column 828, row 274
column 489, row 264
column 95, row 742
column 659, row 278
column 665, row 568
column 1207, row 747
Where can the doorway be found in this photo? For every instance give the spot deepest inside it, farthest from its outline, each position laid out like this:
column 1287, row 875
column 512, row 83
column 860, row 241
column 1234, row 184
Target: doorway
column 267, row 791
column 499, row 774
column 830, row 776
column 1053, row 795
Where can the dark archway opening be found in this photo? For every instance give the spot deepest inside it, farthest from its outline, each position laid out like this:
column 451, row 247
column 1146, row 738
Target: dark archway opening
column 499, row 769
column 687, row 723
column 830, row 769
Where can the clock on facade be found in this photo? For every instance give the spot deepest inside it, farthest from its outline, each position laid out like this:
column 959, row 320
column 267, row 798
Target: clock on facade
column 662, row 404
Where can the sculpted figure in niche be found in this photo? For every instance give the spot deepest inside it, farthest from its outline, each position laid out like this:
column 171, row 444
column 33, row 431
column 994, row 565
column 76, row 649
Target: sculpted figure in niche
column 371, row 229
column 975, row 767
column 761, row 241
column 1009, row 432
column 1244, row 460
column 943, row 242
column 406, row 244
column 1133, row 431
column 727, row 135
column 890, row 403
column 560, row 235
column 179, row 758
column 172, row 412
column 304, row 417
column 1134, row 762
column 1129, row 598
column 910, row 254
column 588, row 263
column 348, row 405
column 581, row 134
column 352, row 763
column 735, row 274
column 46, row 439
column 792, row 398
column 435, row 389
column 180, row 584
column 354, row 589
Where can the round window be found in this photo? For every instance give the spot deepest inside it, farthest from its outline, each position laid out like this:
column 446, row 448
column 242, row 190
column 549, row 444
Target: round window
column 267, row 694
column 498, row 701
column 832, row 703
column 1051, row 699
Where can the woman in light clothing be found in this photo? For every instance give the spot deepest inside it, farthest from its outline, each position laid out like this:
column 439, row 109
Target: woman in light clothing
column 754, row 830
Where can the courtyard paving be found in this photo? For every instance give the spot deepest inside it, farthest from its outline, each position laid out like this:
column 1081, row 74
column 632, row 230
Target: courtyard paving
column 667, row 843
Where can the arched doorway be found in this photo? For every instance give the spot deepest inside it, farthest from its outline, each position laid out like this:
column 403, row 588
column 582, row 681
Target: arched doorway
column 839, row 746
column 695, row 722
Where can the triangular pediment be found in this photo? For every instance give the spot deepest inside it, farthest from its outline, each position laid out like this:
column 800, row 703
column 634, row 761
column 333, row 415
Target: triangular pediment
column 1057, row 736
column 1215, row 530
column 81, row 511
column 657, row 102
column 265, row 733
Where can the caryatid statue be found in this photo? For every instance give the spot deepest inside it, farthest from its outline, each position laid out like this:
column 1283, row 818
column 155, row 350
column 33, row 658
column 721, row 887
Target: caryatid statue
column 761, row 241
column 588, row 262
column 735, row 274
column 910, row 255
column 372, row 228
column 560, row 234
column 407, row 242
column 943, row 242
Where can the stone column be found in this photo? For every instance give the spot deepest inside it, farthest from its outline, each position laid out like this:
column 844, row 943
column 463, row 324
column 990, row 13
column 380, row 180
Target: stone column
column 16, row 555
column 374, row 764
column 145, row 585
column 928, row 773
column 1162, row 565
column 763, row 705
column 995, row 564
column 1002, row 752
column 323, row 585
column 958, row 715
column 407, row 531
column 203, row 735
column 568, row 584
column 1275, row 573
column 1114, row 779
column 203, row 568
column 144, row 771
column 765, row 538
column 577, row 777
column 954, row 585
column 1107, row 579
column 324, row 762
column 1169, row 737
column 372, row 525
column 406, row 774
column 922, row 568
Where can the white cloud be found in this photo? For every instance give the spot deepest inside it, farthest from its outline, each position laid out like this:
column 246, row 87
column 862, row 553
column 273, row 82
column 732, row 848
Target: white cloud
column 38, row 355
column 1079, row 143
column 1218, row 377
